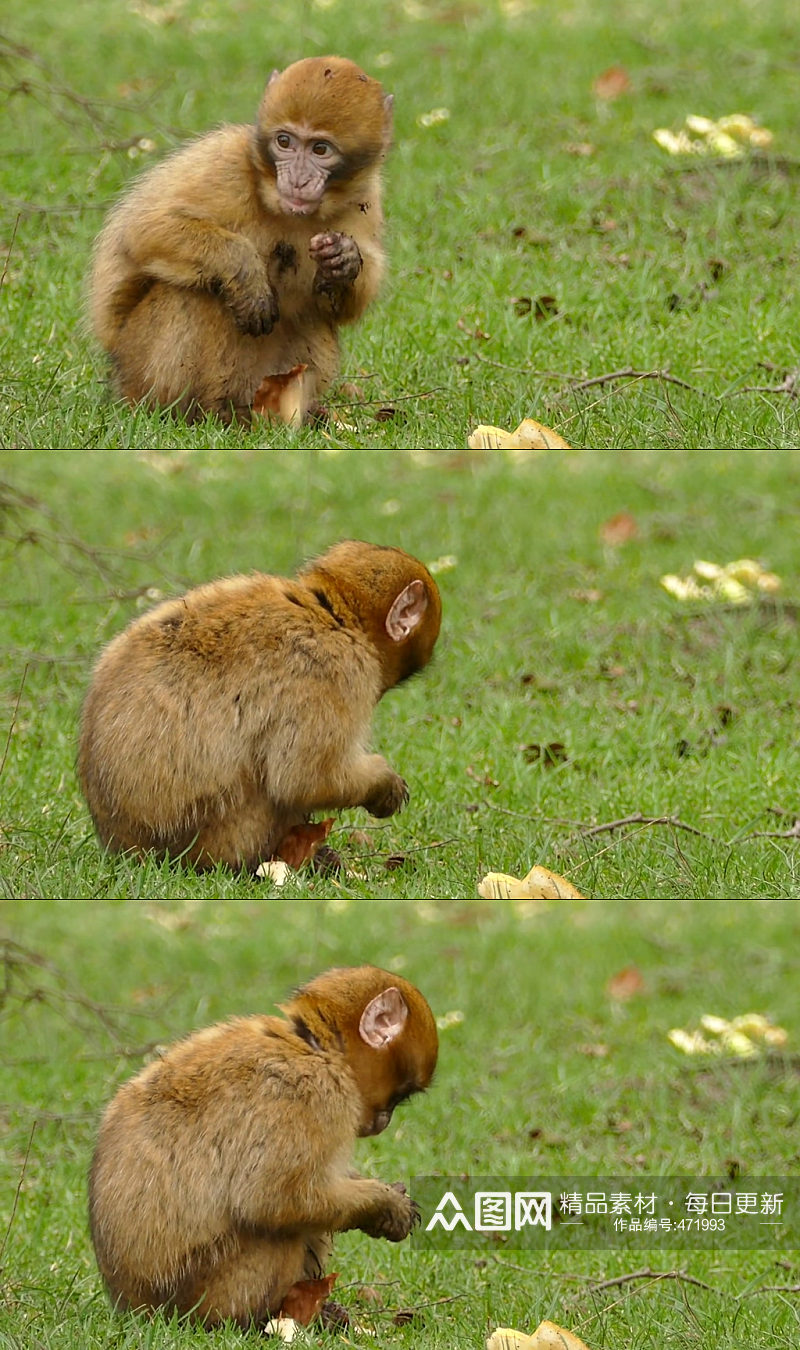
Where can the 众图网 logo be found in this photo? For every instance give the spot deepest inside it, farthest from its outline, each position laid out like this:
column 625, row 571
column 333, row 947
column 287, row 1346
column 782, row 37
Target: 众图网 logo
column 494, row 1212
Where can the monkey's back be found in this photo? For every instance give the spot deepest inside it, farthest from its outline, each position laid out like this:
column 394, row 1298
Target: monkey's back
column 208, row 1144
column 213, row 706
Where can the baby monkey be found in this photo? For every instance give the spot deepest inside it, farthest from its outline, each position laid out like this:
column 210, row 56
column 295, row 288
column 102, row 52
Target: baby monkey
column 219, row 281
column 217, row 723
column 222, row 1169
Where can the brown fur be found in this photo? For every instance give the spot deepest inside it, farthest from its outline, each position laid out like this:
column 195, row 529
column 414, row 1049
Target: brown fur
column 218, row 722
column 204, row 282
column 222, row 1169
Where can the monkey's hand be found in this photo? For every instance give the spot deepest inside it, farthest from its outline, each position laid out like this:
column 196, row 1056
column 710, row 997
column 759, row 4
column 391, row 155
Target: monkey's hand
column 252, row 302
column 337, row 257
column 397, row 1218
column 390, row 794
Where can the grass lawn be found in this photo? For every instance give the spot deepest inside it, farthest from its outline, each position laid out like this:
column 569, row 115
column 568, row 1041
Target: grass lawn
column 568, row 691
column 539, row 238
column 542, row 1069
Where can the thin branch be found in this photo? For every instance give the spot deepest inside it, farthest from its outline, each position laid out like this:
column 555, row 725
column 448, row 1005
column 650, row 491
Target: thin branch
column 10, row 250
column 17, row 1193
column 771, row 1289
column 13, row 719
column 647, row 1274
column 630, row 374
column 639, row 819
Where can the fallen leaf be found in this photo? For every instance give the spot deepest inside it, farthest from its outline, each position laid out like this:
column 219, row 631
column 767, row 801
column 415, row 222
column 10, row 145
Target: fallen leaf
column 550, row 1336
column 275, row 871
column 506, row 1338
column 305, row 1298
column 539, row 884
column 545, row 307
column 529, row 435
column 282, row 395
column 302, row 842
column 612, row 83
column 744, row 1037
column 736, row 582
column 554, row 752
column 285, row 1328
column 625, row 984
column 547, row 1336
column 619, row 529
column 728, row 137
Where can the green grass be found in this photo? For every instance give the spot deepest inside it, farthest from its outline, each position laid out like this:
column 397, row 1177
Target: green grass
column 533, row 186
column 675, row 712
column 544, row 1072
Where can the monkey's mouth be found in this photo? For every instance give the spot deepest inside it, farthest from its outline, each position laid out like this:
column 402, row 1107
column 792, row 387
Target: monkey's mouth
column 296, row 206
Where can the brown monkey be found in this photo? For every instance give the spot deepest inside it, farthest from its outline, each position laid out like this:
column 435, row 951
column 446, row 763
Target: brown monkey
column 221, row 1169
column 215, row 724
column 237, row 257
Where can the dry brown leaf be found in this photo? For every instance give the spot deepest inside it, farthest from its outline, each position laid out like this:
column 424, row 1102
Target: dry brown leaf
column 282, row 395
column 612, row 83
column 302, row 842
column 625, row 984
column 619, row 529
column 539, row 884
column 305, row 1298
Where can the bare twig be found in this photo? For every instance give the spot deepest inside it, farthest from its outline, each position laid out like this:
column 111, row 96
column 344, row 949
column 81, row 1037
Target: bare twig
column 630, row 374
column 639, row 819
column 790, row 385
column 578, row 382
column 647, row 1274
column 771, row 1289
column 10, row 250
column 17, row 1193
column 13, row 719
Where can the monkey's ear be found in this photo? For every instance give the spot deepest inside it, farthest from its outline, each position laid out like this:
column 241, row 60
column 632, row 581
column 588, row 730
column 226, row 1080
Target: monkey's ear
column 407, row 611
column 273, row 77
column 383, row 1018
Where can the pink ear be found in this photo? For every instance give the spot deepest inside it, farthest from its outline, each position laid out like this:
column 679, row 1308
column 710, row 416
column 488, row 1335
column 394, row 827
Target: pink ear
column 383, row 1018
column 406, row 612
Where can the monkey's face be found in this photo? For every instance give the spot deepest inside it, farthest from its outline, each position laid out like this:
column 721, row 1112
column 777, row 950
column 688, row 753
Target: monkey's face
column 321, row 123
column 304, row 160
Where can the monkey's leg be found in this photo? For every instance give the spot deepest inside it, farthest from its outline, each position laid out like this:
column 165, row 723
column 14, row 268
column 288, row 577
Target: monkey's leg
column 248, row 1285
column 180, row 348
column 243, row 835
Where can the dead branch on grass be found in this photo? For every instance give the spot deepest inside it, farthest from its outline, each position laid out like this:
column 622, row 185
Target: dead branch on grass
column 639, row 819
column 646, row 1274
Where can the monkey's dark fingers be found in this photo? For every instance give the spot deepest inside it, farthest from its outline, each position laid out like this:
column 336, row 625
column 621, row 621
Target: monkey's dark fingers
column 329, row 244
column 254, row 315
column 388, row 798
column 398, row 1186
column 334, row 1316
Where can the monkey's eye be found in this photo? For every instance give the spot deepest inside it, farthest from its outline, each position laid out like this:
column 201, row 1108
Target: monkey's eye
column 321, row 149
column 283, row 140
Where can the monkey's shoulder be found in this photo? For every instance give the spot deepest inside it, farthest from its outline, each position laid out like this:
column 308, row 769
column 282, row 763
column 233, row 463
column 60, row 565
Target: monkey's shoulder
column 211, row 173
column 245, row 1059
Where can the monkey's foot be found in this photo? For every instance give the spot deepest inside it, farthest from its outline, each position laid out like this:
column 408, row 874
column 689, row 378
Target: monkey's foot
column 334, row 1316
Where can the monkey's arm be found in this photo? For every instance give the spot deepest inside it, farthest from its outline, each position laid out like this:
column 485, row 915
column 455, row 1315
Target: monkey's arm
column 347, row 276
column 183, row 249
column 349, row 1202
